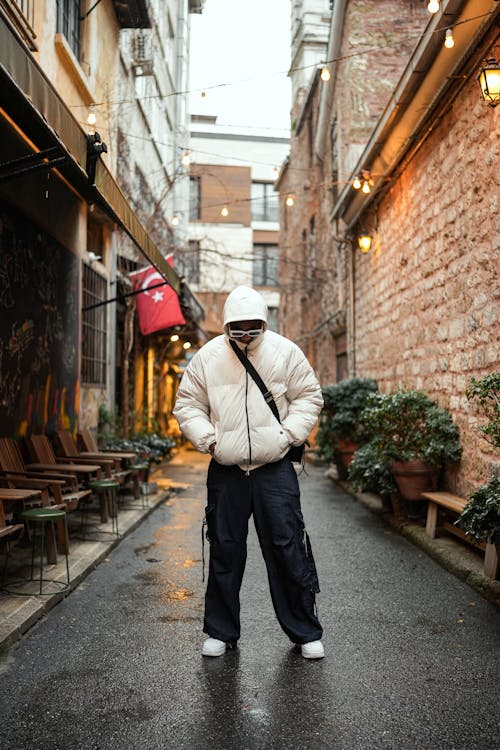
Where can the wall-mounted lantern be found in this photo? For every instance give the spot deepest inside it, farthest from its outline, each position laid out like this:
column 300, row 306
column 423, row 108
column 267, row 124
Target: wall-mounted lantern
column 365, row 242
column 489, row 80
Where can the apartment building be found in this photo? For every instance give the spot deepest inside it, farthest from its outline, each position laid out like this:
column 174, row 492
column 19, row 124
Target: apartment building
column 90, row 148
column 232, row 224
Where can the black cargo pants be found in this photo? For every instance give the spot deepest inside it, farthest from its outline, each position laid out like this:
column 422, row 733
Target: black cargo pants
column 271, row 494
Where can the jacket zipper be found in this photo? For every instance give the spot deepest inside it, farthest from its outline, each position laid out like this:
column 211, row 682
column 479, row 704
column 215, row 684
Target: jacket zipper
column 248, row 421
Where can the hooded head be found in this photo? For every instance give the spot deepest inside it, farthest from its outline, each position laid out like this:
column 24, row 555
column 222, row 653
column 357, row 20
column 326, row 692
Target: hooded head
column 244, row 303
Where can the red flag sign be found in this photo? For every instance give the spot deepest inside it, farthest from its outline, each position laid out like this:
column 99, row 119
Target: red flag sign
column 156, row 308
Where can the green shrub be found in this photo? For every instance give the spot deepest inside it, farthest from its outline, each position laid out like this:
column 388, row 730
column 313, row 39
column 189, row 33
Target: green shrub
column 486, row 392
column 409, row 425
column 481, row 516
column 369, row 470
column 340, row 419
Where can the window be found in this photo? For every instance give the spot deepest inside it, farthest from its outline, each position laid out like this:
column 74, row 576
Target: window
column 272, row 319
column 335, row 162
column 187, row 263
column 265, row 202
column 194, row 198
column 94, row 327
column 312, row 244
column 341, row 357
column 68, row 23
column 265, row 265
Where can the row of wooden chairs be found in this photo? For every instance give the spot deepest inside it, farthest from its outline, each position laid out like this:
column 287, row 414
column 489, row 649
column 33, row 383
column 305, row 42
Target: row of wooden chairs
column 57, row 478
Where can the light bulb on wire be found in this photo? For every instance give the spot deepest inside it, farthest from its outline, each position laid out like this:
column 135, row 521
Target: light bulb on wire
column 224, row 211
column 449, row 42
column 290, row 200
column 92, row 119
column 433, row 6
column 175, row 220
column 325, row 74
column 186, row 159
column 356, row 183
column 366, row 187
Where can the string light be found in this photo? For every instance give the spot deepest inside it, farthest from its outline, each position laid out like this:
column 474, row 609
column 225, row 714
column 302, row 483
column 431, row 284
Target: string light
column 174, row 337
column 356, row 183
column 175, row 220
column 325, row 74
column 224, row 211
column 186, row 345
column 449, row 42
column 366, row 187
column 186, row 159
column 433, row 6
column 92, row 119
column 290, row 200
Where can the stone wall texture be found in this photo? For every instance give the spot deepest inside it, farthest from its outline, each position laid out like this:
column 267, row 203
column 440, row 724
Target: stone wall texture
column 427, row 299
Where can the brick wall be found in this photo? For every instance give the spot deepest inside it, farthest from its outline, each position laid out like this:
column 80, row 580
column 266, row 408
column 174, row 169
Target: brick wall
column 428, row 296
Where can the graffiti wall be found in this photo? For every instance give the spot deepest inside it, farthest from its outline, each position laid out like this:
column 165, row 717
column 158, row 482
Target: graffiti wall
column 39, row 330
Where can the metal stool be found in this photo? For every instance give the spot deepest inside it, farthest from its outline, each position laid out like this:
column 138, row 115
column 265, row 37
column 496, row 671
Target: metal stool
column 139, row 469
column 42, row 517
column 105, row 489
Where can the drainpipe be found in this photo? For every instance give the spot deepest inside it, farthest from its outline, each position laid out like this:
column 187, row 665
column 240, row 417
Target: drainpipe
column 334, row 45
column 351, row 344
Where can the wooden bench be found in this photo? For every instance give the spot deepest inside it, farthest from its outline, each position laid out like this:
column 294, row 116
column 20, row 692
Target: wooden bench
column 456, row 504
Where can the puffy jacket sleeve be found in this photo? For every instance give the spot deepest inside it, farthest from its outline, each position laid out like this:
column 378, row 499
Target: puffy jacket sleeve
column 304, row 398
column 192, row 409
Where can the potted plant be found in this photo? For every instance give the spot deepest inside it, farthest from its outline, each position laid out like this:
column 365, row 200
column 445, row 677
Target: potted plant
column 340, row 430
column 414, row 436
column 369, row 471
column 486, row 393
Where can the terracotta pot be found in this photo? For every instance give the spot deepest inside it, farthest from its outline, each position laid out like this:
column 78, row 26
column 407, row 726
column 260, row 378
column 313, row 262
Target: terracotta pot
column 414, row 477
column 346, row 450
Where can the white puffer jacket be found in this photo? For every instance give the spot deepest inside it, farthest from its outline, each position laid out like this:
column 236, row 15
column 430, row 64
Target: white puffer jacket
column 219, row 402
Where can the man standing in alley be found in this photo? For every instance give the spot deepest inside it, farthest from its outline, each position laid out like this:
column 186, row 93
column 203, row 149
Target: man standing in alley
column 249, row 429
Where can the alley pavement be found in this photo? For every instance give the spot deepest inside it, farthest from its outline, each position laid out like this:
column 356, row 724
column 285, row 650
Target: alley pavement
column 411, row 650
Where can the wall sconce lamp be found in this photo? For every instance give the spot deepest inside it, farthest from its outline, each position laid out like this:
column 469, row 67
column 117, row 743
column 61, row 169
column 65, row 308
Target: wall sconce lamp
column 365, row 242
column 489, row 80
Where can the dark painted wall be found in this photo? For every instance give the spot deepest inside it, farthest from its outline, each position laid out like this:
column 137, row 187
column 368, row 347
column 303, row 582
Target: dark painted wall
column 39, row 329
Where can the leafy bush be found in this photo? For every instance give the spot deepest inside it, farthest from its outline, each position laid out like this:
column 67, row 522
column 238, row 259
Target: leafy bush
column 481, row 516
column 409, row 425
column 369, row 470
column 486, row 392
column 340, row 419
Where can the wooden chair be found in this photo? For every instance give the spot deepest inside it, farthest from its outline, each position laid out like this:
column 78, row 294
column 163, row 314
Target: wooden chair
column 57, row 490
column 67, row 448
column 88, row 445
column 9, row 535
column 43, row 457
column 130, row 460
column 56, row 487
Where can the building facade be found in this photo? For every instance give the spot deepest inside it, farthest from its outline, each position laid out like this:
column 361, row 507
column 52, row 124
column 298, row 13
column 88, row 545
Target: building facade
column 233, row 220
column 405, row 149
column 76, row 212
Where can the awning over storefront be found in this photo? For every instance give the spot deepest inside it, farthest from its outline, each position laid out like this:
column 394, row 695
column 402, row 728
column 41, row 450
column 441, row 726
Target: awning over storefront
column 34, row 106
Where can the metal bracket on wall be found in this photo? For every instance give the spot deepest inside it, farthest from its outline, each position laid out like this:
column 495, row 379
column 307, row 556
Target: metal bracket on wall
column 25, row 165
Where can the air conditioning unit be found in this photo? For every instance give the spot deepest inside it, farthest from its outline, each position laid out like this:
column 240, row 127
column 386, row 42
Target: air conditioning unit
column 142, row 53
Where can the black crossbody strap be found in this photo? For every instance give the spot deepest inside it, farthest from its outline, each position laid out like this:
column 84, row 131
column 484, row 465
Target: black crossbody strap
column 268, row 396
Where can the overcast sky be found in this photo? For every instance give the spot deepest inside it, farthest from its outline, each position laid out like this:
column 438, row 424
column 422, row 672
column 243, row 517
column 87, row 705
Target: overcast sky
column 246, row 44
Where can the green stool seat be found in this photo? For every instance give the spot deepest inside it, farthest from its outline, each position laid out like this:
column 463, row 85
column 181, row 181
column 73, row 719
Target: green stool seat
column 106, row 489
column 41, row 517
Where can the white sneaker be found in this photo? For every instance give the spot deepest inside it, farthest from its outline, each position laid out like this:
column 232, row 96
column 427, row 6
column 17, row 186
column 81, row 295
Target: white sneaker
column 213, row 647
column 312, row 650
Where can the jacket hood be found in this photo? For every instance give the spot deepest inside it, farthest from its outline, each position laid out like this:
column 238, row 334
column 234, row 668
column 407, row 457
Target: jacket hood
column 244, row 303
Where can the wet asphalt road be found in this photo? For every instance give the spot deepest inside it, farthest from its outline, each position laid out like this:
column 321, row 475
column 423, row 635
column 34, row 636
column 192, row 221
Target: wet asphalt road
column 411, row 652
